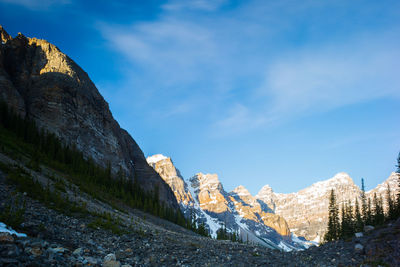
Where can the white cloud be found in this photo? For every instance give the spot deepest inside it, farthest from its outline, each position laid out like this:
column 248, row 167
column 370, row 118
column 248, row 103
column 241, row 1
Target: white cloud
column 334, row 76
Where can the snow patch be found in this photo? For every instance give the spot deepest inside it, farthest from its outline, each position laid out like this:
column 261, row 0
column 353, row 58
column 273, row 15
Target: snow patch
column 5, row 229
column 155, row 158
column 283, row 246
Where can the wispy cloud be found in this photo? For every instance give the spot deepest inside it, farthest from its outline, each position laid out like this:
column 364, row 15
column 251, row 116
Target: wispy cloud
column 333, row 76
column 36, row 4
column 241, row 60
column 206, row 5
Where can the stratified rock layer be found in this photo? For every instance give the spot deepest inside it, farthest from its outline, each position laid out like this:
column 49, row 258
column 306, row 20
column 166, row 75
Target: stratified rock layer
column 41, row 82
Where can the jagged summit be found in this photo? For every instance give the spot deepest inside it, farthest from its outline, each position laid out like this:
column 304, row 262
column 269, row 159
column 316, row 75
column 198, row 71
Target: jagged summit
column 208, row 180
column 4, row 35
column 241, row 191
column 156, row 158
column 342, row 177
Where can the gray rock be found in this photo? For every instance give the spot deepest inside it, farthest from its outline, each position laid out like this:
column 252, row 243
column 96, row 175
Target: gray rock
column 358, row 247
column 111, row 264
column 359, row 234
column 78, row 252
column 368, row 228
column 110, row 257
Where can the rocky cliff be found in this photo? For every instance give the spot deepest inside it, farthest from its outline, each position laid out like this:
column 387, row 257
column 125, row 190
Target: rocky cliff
column 42, row 83
column 204, row 197
column 306, row 211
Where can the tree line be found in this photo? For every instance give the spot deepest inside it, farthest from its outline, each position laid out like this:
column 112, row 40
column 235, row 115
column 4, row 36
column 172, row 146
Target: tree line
column 351, row 218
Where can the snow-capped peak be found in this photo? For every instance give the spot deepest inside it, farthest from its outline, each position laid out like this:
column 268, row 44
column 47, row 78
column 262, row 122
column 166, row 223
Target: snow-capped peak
column 265, row 192
column 155, row 158
column 241, row 191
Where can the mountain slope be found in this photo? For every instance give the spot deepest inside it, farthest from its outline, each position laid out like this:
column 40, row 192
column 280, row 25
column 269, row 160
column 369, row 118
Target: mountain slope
column 40, row 82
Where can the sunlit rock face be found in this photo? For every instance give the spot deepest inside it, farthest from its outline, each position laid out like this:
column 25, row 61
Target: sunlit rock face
column 382, row 189
column 209, row 192
column 306, row 211
column 204, row 197
column 164, row 166
column 39, row 81
column 250, row 208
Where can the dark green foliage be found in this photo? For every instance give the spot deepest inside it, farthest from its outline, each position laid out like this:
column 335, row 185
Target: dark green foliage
column 51, row 198
column 21, row 137
column 391, row 204
column 223, row 234
column 333, row 221
column 196, row 226
column 369, row 218
column 347, row 227
column 378, row 215
column 364, row 205
column 105, row 221
column 13, row 213
column 359, row 223
column 397, row 208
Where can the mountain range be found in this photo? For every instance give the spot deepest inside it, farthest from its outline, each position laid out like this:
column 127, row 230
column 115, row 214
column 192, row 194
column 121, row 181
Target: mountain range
column 287, row 221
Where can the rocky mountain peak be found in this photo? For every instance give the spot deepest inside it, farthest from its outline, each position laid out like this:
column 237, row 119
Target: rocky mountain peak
column 241, row 191
column 156, row 158
column 266, row 190
column 4, row 35
column 342, row 177
column 206, row 182
column 165, row 168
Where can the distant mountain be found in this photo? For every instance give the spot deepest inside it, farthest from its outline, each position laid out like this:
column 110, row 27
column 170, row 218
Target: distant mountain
column 306, row 211
column 268, row 216
column 204, row 197
column 40, row 82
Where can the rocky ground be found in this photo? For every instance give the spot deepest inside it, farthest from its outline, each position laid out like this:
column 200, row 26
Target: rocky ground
column 57, row 239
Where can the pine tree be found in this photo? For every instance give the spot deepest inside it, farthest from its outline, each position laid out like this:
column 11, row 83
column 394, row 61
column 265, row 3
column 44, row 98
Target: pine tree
column 333, row 221
column 347, row 222
column 359, row 224
column 369, row 213
column 364, row 207
column 397, row 209
column 391, row 205
column 378, row 216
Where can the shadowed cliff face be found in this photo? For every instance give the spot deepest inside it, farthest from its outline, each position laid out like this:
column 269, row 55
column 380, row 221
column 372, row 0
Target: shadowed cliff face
column 41, row 82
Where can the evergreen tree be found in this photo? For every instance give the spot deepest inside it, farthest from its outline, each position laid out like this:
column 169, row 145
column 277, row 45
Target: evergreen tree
column 347, row 222
column 378, row 216
column 364, row 206
column 359, row 224
column 397, row 209
column 369, row 213
column 391, row 205
column 333, row 221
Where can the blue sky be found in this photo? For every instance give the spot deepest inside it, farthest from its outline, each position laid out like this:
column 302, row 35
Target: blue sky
column 260, row 92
